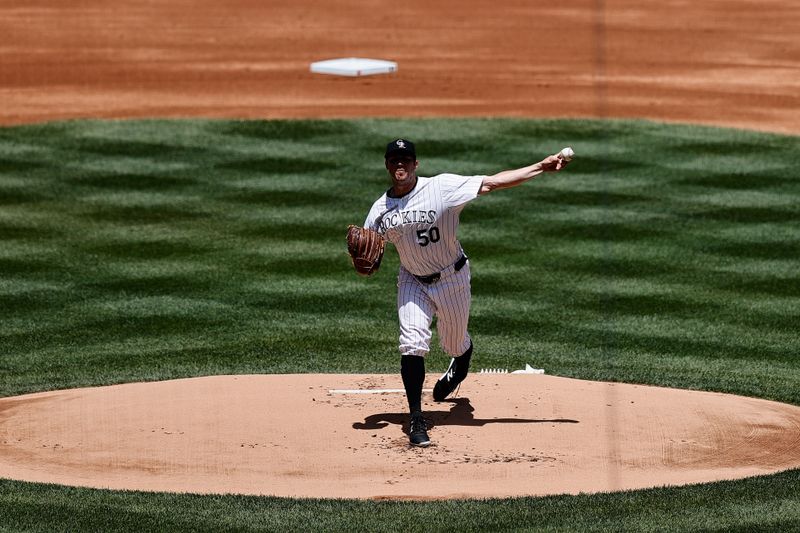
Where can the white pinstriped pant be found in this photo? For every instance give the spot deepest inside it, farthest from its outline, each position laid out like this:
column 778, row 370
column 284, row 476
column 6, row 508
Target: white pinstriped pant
column 448, row 299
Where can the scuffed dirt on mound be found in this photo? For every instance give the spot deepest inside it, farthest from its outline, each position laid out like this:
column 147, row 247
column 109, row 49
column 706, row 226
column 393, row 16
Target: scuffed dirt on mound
column 288, row 435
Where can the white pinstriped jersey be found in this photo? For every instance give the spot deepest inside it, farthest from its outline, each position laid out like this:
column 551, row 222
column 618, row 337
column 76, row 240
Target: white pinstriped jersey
column 423, row 224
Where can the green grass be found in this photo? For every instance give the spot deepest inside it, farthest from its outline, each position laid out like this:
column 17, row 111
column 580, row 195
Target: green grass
column 149, row 250
column 756, row 504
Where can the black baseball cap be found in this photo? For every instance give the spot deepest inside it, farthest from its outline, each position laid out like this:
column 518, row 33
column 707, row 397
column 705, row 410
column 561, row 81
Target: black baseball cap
column 400, row 147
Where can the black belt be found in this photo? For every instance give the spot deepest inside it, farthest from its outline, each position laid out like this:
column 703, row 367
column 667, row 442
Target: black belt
column 435, row 277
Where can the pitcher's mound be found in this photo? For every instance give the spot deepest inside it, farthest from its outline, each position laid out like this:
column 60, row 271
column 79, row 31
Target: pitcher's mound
column 288, row 435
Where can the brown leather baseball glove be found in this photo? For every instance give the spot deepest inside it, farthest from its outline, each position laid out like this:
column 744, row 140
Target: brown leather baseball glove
column 365, row 247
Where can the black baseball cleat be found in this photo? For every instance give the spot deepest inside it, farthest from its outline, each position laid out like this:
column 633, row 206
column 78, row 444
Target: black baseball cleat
column 456, row 372
column 418, row 431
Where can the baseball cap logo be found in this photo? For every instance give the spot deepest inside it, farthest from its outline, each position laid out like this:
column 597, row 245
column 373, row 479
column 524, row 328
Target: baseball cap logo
column 400, row 145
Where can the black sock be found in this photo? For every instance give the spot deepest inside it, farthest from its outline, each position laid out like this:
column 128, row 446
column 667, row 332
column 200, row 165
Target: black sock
column 412, row 369
column 469, row 350
column 463, row 367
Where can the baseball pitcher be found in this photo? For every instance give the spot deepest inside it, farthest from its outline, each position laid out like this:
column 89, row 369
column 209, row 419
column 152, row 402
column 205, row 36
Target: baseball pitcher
column 420, row 217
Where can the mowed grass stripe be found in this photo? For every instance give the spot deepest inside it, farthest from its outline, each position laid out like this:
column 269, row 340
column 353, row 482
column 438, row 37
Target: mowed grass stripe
column 136, row 222
column 148, row 250
column 756, row 504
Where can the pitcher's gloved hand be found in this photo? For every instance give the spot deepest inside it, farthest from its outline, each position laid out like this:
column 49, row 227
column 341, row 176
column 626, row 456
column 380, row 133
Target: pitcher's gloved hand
column 365, row 247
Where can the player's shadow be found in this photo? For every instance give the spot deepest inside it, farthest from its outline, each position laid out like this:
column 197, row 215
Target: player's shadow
column 460, row 414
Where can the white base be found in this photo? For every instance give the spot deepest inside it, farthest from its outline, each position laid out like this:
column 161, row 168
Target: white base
column 354, row 66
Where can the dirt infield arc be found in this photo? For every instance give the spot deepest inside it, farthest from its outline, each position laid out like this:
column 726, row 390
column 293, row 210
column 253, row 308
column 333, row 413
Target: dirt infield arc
column 288, row 435
column 731, row 63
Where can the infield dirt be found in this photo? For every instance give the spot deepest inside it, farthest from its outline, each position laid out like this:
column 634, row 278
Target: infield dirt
column 731, row 63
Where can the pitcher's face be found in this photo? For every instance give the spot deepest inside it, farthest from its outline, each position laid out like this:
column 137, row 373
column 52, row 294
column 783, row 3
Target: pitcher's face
column 402, row 168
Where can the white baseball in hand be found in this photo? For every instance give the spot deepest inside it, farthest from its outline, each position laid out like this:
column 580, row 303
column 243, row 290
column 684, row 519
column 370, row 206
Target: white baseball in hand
column 567, row 153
